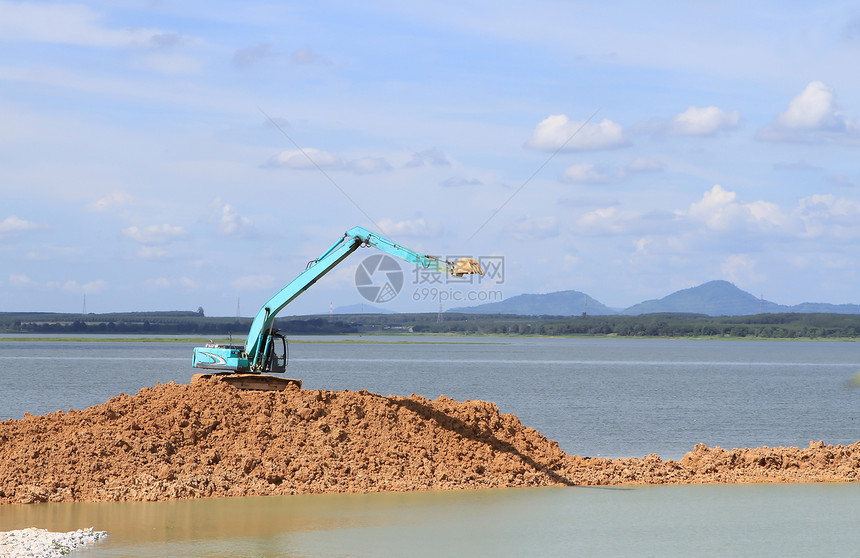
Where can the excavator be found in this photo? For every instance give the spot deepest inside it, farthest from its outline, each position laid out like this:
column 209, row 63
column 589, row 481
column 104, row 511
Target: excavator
column 265, row 351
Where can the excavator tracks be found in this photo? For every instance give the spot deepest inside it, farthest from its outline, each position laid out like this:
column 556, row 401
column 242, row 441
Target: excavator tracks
column 251, row 382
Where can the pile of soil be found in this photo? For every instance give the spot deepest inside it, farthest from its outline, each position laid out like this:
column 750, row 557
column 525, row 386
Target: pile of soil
column 210, row 439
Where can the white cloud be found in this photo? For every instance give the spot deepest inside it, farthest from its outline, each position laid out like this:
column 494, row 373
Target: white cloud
column 571, row 259
column 416, row 227
column 533, row 229
column 20, row 281
column 704, row 121
column 559, row 132
column 642, row 245
column 712, row 207
column 836, row 206
column 113, row 199
column 813, row 109
column 719, row 210
column 694, row 121
column 811, row 116
column 766, row 213
column 740, row 267
column 155, row 235
column 825, row 215
column 229, row 222
column 311, row 158
column 585, row 173
column 63, row 23
column 305, row 159
column 13, row 225
column 814, row 217
column 369, row 165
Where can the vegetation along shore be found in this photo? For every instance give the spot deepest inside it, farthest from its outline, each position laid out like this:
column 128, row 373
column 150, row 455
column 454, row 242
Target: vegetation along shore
column 758, row 326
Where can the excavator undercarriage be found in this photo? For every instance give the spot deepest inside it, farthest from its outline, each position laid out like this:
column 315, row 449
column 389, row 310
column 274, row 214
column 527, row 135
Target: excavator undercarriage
column 257, row 382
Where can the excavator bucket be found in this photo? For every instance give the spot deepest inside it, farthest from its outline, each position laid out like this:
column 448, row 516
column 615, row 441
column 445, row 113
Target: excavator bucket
column 466, row 266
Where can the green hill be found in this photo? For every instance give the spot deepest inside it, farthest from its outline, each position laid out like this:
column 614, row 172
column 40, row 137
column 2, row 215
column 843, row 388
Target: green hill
column 562, row 303
column 714, row 298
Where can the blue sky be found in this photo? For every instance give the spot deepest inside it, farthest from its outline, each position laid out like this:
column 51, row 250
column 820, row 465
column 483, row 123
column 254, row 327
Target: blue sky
column 147, row 163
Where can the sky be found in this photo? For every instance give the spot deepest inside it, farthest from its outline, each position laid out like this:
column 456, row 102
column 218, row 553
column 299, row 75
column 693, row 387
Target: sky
column 173, row 156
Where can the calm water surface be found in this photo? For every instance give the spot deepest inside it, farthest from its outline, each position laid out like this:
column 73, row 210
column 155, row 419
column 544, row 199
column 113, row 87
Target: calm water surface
column 607, row 397
column 752, row 520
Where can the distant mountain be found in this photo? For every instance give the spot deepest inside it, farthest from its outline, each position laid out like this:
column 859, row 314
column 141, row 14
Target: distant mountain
column 714, row 298
column 824, row 308
column 721, row 298
column 562, row 303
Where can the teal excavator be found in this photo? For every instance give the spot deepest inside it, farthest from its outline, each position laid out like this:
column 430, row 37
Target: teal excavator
column 265, row 351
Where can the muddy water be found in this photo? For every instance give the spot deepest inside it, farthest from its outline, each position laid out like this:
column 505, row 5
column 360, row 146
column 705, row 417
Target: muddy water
column 739, row 520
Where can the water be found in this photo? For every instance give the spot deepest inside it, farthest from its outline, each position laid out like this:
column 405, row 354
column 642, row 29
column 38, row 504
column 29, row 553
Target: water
column 760, row 520
column 610, row 397
column 595, row 397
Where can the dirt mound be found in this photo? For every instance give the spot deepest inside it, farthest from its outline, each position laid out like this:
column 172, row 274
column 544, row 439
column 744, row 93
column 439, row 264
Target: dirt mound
column 705, row 465
column 817, row 463
column 178, row 441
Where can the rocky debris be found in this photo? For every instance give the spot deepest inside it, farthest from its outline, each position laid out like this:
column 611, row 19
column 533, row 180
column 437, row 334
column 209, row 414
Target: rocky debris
column 210, row 439
column 817, row 463
column 41, row 543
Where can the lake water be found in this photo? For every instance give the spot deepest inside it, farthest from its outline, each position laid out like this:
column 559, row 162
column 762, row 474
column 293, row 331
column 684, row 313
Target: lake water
column 598, row 397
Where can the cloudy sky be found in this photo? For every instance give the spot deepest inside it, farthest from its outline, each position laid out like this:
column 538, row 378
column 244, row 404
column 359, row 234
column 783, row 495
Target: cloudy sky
column 168, row 156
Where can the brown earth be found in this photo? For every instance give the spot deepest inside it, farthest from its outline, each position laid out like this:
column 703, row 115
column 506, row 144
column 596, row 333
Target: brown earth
column 206, row 440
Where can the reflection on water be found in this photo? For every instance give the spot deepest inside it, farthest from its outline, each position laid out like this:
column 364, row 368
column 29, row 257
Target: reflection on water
column 740, row 520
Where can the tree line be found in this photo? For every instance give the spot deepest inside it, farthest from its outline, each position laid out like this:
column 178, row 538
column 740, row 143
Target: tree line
column 765, row 326
column 168, row 324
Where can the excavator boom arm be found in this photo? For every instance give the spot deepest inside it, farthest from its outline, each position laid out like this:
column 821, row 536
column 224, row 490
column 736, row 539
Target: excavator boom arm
column 354, row 238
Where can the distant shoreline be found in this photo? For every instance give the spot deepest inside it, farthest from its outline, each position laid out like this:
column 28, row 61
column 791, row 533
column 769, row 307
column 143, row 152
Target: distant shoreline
column 194, row 326
column 203, row 339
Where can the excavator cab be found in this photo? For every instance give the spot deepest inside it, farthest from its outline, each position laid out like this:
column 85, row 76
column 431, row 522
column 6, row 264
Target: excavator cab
column 278, row 354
